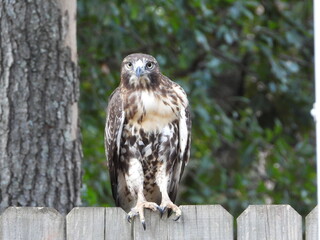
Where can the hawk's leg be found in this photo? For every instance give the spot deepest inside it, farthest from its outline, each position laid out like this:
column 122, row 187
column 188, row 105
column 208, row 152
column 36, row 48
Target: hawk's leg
column 166, row 203
column 134, row 180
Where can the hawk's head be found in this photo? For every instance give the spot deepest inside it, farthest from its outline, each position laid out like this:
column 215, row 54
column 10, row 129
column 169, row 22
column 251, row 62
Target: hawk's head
column 140, row 71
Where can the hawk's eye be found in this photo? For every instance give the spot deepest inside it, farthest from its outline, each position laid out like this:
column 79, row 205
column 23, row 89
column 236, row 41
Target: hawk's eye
column 150, row 65
column 129, row 65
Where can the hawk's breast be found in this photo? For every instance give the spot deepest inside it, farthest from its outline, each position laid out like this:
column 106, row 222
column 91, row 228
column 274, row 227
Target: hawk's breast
column 152, row 111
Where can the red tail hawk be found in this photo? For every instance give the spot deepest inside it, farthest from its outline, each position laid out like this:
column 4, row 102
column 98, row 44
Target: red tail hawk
column 147, row 138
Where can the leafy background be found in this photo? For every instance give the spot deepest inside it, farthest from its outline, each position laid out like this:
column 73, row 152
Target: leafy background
column 247, row 67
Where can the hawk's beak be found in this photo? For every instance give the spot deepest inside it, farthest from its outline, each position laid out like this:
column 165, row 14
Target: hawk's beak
column 139, row 71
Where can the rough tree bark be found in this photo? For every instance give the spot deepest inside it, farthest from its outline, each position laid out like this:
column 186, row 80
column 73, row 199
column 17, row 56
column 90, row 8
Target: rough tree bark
column 40, row 147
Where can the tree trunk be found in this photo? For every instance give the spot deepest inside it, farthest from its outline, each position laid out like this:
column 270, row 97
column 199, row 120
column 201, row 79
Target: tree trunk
column 40, row 147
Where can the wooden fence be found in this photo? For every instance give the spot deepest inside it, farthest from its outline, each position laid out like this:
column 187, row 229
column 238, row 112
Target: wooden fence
column 258, row 222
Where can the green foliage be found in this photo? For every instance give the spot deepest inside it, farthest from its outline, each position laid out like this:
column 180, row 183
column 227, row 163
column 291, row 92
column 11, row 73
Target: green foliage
column 247, row 67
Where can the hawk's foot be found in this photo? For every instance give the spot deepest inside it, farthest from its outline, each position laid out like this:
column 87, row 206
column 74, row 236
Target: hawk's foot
column 170, row 205
column 139, row 210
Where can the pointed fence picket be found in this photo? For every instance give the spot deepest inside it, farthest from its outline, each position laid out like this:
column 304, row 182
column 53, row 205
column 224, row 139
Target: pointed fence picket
column 23, row 223
column 269, row 222
column 258, row 222
column 86, row 223
column 312, row 225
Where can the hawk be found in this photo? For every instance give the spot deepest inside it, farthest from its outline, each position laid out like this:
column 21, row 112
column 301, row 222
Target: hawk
column 147, row 138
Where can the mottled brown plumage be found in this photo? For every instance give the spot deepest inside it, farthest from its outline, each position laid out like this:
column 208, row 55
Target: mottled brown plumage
column 147, row 138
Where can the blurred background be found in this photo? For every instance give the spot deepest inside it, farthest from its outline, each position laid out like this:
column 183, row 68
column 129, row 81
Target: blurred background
column 247, row 67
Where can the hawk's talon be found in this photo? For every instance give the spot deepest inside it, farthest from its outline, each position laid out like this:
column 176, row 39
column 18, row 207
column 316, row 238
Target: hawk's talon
column 159, row 208
column 162, row 210
column 177, row 218
column 143, row 224
column 128, row 218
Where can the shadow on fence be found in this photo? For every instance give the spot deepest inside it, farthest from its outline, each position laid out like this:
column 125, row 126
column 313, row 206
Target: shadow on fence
column 258, row 222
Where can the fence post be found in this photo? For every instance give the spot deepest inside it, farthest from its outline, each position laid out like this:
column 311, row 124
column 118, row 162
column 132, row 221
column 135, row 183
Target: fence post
column 86, row 223
column 266, row 222
column 31, row 223
column 312, row 225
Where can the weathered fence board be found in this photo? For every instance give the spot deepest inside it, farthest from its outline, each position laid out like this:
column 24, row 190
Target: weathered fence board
column 197, row 222
column 203, row 222
column 269, row 222
column 312, row 225
column 116, row 225
column 86, row 223
column 31, row 223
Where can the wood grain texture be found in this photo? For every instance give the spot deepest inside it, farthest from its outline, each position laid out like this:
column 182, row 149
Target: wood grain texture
column 86, row 223
column 197, row 222
column 31, row 224
column 116, row 225
column 269, row 222
column 312, row 225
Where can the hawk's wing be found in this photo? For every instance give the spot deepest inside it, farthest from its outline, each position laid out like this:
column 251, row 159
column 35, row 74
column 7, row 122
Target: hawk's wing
column 113, row 132
column 183, row 152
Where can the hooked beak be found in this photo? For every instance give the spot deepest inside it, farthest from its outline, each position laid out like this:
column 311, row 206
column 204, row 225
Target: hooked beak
column 139, row 72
